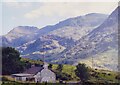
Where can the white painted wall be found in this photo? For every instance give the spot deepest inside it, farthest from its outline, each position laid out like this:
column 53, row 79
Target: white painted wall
column 45, row 75
column 23, row 78
column 48, row 76
column 37, row 77
column 20, row 79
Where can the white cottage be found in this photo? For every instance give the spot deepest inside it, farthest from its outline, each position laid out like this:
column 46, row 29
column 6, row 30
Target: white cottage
column 47, row 75
column 36, row 74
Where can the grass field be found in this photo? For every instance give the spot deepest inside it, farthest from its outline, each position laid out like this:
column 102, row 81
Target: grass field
column 102, row 75
column 68, row 69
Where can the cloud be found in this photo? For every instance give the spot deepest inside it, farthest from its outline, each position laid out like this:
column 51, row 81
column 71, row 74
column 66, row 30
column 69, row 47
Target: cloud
column 18, row 4
column 70, row 9
column 55, row 9
column 59, row 1
column 9, row 0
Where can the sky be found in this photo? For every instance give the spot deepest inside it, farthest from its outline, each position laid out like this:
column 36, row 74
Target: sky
column 40, row 14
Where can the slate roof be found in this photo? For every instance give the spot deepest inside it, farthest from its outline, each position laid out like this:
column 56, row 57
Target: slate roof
column 33, row 70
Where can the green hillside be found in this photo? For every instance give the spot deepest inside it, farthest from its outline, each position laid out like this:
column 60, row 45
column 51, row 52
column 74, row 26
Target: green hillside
column 68, row 74
column 96, row 75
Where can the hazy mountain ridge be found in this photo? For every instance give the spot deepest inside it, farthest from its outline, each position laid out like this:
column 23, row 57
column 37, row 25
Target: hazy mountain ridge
column 80, row 26
column 18, row 36
column 79, row 21
column 21, row 31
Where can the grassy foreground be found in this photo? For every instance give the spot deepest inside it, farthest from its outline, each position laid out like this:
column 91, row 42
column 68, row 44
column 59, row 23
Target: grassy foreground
column 96, row 75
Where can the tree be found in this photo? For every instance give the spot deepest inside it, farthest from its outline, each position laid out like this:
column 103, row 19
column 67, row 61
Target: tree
column 11, row 61
column 82, row 72
column 50, row 66
column 60, row 67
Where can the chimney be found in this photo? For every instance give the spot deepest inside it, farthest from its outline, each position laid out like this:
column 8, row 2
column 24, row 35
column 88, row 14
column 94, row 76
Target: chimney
column 33, row 65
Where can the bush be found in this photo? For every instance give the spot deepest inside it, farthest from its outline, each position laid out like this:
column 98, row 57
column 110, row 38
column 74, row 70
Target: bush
column 118, row 77
column 4, row 79
column 63, row 76
column 109, row 74
column 50, row 66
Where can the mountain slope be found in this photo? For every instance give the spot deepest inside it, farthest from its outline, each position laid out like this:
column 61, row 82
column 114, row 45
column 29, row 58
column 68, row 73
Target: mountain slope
column 101, row 40
column 66, row 33
column 70, row 41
